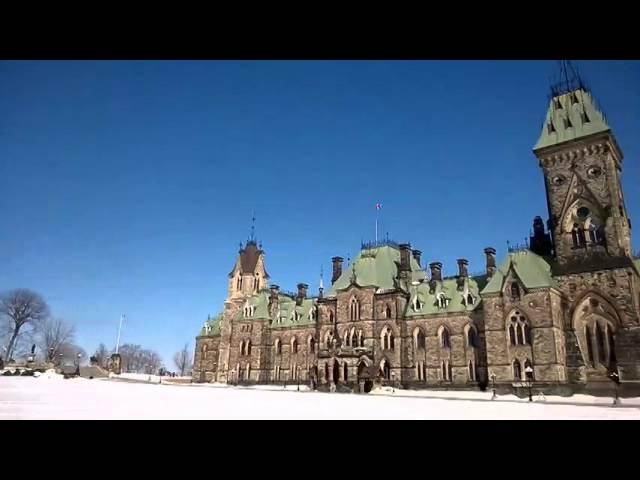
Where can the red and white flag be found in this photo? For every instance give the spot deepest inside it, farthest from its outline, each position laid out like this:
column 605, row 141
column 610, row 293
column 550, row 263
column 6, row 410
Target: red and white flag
column 378, row 206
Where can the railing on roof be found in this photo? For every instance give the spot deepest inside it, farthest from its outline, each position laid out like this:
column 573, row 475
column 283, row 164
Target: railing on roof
column 379, row 243
column 517, row 247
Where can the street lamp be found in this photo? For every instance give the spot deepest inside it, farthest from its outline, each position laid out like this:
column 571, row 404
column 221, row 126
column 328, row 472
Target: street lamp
column 493, row 386
column 529, row 373
column 393, row 382
column 615, row 378
column 51, row 354
column 60, row 360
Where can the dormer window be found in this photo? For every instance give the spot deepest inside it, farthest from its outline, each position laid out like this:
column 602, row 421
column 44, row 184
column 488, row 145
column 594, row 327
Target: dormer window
column 515, row 291
column 417, row 305
column 442, row 301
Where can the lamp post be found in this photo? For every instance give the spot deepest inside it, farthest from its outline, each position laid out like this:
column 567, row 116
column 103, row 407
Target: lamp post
column 51, row 354
column 615, row 378
column 60, row 360
column 493, row 386
column 529, row 373
column 393, row 382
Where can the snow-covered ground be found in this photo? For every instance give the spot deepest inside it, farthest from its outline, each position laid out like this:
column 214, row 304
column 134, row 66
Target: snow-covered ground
column 48, row 397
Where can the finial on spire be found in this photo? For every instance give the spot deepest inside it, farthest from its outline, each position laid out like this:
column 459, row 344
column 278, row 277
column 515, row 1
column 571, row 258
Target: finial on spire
column 568, row 79
column 252, row 237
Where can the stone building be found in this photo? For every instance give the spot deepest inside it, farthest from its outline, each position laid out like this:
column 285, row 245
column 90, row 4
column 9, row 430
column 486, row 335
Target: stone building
column 562, row 313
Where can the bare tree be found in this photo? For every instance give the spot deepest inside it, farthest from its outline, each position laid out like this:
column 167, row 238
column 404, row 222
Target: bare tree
column 182, row 359
column 102, row 355
column 53, row 334
column 21, row 308
column 135, row 359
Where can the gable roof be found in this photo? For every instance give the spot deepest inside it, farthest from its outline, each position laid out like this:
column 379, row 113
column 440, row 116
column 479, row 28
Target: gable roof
column 571, row 116
column 532, row 269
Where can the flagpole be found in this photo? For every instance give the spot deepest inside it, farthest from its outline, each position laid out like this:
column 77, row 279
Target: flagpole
column 376, row 224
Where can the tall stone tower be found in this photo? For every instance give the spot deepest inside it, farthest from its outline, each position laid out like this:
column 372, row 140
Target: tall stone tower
column 582, row 163
column 590, row 235
column 248, row 275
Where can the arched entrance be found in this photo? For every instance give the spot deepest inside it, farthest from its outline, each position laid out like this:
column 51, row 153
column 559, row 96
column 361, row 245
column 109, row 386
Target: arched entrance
column 365, row 382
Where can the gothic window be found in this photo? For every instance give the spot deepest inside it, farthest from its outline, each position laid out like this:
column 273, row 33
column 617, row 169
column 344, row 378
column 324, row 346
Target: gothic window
column 312, row 345
column 354, row 310
column 294, row 345
column 248, row 347
column 519, row 330
column 352, row 338
column 445, row 338
column 328, row 337
column 360, row 338
column 419, row 339
column 345, row 338
column 469, row 299
column 242, row 348
column 330, row 316
column 421, row 371
column 418, row 305
column 442, row 301
column 517, row 372
column 277, row 372
column 387, row 338
column 388, row 311
column 587, row 334
column 204, row 352
column 345, row 372
column 278, row 345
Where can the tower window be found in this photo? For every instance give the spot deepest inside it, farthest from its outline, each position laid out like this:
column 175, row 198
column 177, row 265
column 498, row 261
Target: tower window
column 519, row 330
column 388, row 311
column 515, row 291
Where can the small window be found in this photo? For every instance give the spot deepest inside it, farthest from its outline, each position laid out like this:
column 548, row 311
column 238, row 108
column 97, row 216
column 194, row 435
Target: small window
column 515, row 290
column 420, row 339
column 330, row 316
column 294, row 345
column 517, row 372
column 278, row 347
column 388, row 311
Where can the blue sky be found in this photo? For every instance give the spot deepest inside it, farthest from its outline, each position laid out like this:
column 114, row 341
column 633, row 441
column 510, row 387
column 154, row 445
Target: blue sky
column 127, row 186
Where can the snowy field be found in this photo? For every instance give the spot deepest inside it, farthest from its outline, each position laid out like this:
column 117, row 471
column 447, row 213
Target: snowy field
column 50, row 397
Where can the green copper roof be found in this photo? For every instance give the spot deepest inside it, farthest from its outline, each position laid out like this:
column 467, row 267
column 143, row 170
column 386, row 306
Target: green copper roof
column 421, row 302
column 212, row 326
column 571, row 116
column 260, row 303
column 532, row 269
column 375, row 267
column 291, row 315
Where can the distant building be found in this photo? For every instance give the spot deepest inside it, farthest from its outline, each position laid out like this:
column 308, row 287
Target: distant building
column 564, row 311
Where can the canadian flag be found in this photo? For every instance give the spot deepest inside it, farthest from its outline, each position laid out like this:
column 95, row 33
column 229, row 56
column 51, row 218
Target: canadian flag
column 378, row 206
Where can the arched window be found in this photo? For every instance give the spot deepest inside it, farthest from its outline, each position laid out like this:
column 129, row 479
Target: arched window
column 352, row 338
column 445, row 339
column 278, row 345
column 388, row 311
column 248, row 347
column 515, row 290
column 519, row 330
column 345, row 338
column 472, row 337
column 294, row 345
column 419, row 339
column 312, row 345
column 277, row 372
column 242, row 348
column 517, row 372
column 354, row 309
column 387, row 338
column 469, row 299
column 360, row 338
column 418, row 305
column 328, row 339
column 345, row 372
column 248, row 371
column 330, row 316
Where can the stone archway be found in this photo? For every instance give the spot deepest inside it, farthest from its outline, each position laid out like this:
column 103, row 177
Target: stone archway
column 365, row 379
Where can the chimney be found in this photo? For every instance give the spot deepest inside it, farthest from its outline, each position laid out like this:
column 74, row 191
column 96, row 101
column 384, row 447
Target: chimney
column 436, row 271
column 417, row 254
column 490, row 253
column 463, row 272
column 273, row 298
column 337, row 268
column 302, row 293
column 405, row 257
column 462, row 267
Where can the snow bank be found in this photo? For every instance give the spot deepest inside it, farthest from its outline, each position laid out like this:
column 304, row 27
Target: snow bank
column 474, row 395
